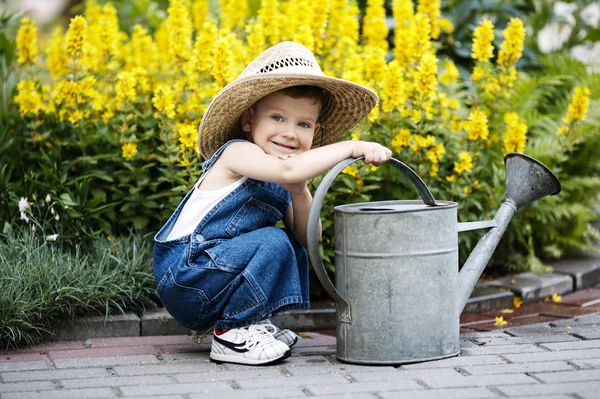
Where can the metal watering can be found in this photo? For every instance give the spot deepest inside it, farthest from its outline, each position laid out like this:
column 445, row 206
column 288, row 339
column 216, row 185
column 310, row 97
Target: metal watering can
column 398, row 292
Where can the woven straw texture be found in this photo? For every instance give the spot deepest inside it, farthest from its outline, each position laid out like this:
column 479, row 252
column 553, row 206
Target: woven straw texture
column 284, row 65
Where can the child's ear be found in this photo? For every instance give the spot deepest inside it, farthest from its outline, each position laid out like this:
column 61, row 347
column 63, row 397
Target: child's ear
column 246, row 119
column 317, row 127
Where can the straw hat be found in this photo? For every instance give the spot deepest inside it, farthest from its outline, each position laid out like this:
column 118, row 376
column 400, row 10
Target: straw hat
column 284, row 65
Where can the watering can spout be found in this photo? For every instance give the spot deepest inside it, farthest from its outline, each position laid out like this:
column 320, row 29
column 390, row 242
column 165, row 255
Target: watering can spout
column 527, row 180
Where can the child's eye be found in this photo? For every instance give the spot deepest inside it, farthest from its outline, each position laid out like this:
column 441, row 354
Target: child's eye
column 304, row 125
column 277, row 118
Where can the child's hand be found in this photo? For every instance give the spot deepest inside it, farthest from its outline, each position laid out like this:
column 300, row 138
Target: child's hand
column 374, row 153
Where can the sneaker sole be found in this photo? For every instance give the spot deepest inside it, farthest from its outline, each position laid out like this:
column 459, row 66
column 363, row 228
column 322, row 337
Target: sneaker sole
column 237, row 360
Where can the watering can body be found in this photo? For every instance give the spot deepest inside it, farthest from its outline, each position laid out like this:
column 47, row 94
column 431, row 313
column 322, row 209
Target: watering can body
column 398, row 291
column 402, row 291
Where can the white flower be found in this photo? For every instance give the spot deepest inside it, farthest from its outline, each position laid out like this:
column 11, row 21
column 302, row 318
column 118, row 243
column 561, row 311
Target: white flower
column 24, row 217
column 52, row 237
column 23, row 205
column 56, row 217
column 48, row 199
column 33, row 228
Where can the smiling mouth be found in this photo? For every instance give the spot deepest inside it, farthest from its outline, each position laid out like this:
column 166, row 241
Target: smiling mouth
column 284, row 146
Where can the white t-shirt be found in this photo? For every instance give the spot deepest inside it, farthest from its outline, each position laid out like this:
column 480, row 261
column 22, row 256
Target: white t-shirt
column 197, row 206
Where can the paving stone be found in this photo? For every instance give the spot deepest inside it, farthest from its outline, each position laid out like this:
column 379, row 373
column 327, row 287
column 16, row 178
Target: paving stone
column 583, row 298
column 532, row 331
column 561, row 346
column 102, row 352
column 517, row 368
column 159, row 322
column 105, row 361
column 543, row 338
column 365, row 395
column 400, row 374
column 571, row 311
column 524, row 340
column 592, row 320
column 23, row 366
column 292, row 381
column 195, row 357
column 256, row 373
column 167, row 369
column 149, row 390
column 587, row 334
column 322, row 351
column 567, row 376
column 585, row 272
column 113, row 381
column 448, row 393
column 63, row 394
column 82, row 328
column 456, row 362
column 26, row 386
column 501, row 350
column 20, row 357
column 517, row 321
column 478, row 380
column 553, row 356
column 550, row 389
column 532, row 287
column 282, row 392
column 40, row 375
column 291, row 362
column 587, row 363
column 487, row 299
column 470, row 319
column 381, row 386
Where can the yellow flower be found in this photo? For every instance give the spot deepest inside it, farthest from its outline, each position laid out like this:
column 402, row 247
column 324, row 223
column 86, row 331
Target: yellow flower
column 426, row 76
column 512, row 47
column 222, row 57
column 393, row 94
column 562, row 130
column 404, row 33
column 517, row 302
column 180, row 31
column 500, row 321
column 26, row 41
column 579, row 105
column 125, row 88
column 129, row 150
column 76, row 35
column 375, row 29
column 464, row 164
column 256, row 40
column 267, row 15
column 515, row 135
column 556, row 297
column 402, row 139
column 57, row 57
column 434, row 170
column 451, row 178
column 164, row 100
column 483, row 37
column 477, row 125
column 350, row 170
column 431, row 8
column 233, row 14
column 28, row 97
column 355, row 135
column 477, row 74
column 188, row 136
column 200, row 13
column 422, row 44
column 450, row 74
column 446, row 25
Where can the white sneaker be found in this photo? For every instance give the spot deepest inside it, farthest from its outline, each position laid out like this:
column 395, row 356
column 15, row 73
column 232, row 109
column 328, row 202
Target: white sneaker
column 288, row 337
column 254, row 345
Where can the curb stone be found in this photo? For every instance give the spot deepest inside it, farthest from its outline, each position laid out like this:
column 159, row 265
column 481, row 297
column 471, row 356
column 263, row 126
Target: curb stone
column 569, row 275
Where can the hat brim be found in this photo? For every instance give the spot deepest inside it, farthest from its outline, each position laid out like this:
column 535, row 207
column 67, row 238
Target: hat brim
column 345, row 104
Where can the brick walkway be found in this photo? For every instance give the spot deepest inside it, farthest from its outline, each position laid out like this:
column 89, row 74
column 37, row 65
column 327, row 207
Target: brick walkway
column 555, row 360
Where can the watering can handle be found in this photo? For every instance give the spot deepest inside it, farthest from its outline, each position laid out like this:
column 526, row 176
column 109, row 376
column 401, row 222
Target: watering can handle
column 313, row 226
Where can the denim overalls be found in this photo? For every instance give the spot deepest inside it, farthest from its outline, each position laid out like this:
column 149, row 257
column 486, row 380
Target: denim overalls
column 236, row 268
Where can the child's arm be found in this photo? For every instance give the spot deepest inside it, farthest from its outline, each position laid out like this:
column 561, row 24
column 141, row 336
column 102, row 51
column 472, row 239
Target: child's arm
column 292, row 172
column 247, row 159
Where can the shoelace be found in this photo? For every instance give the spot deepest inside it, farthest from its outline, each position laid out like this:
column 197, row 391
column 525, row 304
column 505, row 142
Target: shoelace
column 269, row 326
column 257, row 333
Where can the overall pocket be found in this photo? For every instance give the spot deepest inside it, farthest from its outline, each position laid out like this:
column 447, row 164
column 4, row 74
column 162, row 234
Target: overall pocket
column 253, row 215
column 187, row 305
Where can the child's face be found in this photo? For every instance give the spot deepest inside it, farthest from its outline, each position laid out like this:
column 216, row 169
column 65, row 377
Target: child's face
column 282, row 125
